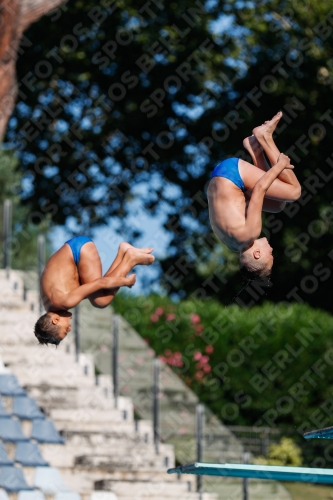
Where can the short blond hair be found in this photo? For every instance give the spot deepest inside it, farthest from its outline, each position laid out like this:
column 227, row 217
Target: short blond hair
column 253, row 269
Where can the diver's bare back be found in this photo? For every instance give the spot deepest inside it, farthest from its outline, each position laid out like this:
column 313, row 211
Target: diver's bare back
column 227, row 211
column 60, row 277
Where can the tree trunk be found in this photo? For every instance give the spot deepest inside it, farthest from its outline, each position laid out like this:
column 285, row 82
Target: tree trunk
column 15, row 17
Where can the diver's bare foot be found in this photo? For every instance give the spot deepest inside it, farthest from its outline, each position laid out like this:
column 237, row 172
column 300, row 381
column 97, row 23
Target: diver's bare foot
column 124, row 246
column 252, row 145
column 264, row 132
column 130, row 280
column 136, row 258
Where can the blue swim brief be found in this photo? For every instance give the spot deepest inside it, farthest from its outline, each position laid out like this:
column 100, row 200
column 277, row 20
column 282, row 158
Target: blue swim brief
column 229, row 169
column 76, row 244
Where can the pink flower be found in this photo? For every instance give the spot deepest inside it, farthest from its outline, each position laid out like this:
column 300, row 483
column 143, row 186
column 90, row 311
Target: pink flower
column 159, row 311
column 199, row 375
column 182, row 431
column 195, row 318
column 154, row 318
column 204, row 359
column 209, row 349
column 170, row 317
column 163, row 359
column 197, row 355
column 199, row 329
column 207, row 368
column 178, row 355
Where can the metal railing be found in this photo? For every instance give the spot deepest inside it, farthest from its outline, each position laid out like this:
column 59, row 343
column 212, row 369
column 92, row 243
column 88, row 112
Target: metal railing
column 41, row 265
column 256, row 440
column 7, row 235
column 114, row 361
column 77, row 332
column 156, row 408
column 199, row 442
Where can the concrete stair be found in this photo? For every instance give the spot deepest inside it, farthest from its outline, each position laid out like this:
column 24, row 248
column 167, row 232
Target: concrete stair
column 107, row 454
column 177, row 402
column 106, row 451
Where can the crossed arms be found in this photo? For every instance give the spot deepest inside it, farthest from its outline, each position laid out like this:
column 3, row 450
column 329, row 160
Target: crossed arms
column 253, row 224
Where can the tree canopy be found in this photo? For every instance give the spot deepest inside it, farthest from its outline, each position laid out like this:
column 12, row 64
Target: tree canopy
column 122, row 93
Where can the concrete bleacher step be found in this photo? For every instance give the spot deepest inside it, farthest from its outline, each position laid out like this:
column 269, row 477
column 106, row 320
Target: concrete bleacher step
column 105, row 449
column 152, row 489
column 110, row 440
column 177, row 408
column 68, row 456
column 68, row 368
column 18, row 322
column 103, row 427
column 35, row 354
column 47, row 378
column 146, row 474
column 39, row 495
column 84, row 479
column 131, row 461
column 184, row 496
column 113, row 428
column 144, row 488
column 90, row 415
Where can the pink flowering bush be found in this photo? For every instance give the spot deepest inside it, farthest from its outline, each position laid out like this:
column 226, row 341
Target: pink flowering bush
column 223, row 353
column 169, row 329
column 195, row 318
column 172, row 358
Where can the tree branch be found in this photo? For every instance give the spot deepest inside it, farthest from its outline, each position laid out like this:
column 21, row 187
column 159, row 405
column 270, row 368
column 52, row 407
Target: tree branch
column 32, row 10
column 15, row 17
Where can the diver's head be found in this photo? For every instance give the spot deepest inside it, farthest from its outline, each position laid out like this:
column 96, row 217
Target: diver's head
column 257, row 261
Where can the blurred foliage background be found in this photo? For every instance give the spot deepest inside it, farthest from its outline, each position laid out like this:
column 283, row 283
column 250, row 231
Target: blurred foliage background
column 125, row 101
column 265, row 366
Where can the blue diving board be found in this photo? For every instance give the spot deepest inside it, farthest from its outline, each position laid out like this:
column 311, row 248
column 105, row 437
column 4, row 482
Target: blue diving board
column 276, row 473
column 325, row 433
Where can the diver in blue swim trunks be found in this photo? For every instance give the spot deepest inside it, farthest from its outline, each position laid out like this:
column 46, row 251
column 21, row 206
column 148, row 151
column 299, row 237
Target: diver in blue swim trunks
column 74, row 273
column 239, row 191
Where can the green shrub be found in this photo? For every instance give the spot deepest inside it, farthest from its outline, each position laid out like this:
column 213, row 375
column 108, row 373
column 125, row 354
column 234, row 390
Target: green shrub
column 286, row 452
column 267, row 366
